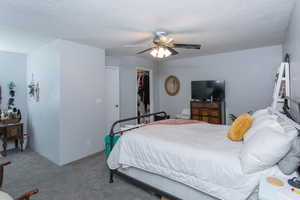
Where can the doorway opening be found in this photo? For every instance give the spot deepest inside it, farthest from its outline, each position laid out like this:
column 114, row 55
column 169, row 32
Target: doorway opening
column 143, row 94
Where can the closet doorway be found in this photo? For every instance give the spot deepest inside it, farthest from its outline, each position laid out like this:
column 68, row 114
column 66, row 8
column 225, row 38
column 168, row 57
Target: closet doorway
column 144, row 99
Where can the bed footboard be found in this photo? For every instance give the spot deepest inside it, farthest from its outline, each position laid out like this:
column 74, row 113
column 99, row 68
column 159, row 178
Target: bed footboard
column 162, row 114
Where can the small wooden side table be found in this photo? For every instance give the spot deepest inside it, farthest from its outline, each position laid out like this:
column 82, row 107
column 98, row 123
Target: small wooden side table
column 11, row 132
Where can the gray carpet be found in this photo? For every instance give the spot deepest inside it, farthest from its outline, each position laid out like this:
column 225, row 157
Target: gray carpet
column 86, row 179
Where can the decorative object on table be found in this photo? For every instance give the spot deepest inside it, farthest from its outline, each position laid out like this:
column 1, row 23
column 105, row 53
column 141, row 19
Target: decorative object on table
column 34, row 89
column 295, row 182
column 10, row 116
column 172, row 85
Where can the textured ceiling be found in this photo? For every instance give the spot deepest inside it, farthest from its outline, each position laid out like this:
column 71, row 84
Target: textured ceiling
column 218, row 25
column 14, row 40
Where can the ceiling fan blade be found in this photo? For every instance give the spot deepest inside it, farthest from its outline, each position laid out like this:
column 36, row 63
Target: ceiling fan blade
column 141, row 52
column 173, row 51
column 187, row 46
column 141, row 43
column 136, row 46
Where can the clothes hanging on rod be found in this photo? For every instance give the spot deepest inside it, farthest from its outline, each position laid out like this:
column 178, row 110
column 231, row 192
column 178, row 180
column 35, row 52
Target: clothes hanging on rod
column 143, row 92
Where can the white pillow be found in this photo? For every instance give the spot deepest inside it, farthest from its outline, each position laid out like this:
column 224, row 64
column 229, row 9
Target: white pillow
column 266, row 147
column 259, row 113
column 262, row 121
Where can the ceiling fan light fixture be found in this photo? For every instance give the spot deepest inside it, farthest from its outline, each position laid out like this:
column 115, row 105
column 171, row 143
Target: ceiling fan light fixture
column 160, row 52
column 167, row 52
column 154, row 52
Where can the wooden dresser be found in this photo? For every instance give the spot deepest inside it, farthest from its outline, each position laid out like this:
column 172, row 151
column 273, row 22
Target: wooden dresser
column 207, row 111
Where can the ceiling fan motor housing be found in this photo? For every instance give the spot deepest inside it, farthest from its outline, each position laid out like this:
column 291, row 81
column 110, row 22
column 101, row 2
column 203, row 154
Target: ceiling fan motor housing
column 160, row 37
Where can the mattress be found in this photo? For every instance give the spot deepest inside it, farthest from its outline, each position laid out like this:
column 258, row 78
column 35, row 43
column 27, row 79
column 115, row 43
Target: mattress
column 175, row 188
column 197, row 155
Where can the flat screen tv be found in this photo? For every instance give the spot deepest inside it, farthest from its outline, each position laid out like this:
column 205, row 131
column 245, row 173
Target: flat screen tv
column 208, row 90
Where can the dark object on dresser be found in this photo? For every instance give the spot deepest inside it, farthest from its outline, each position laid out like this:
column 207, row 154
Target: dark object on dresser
column 210, row 112
column 11, row 132
column 25, row 196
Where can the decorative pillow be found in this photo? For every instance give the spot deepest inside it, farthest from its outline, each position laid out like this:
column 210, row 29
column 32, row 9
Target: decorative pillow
column 239, row 127
column 266, row 147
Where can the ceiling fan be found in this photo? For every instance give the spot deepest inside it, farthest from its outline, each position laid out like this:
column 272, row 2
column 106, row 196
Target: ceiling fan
column 163, row 46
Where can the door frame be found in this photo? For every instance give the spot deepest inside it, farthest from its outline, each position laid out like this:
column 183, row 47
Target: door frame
column 118, row 90
column 151, row 88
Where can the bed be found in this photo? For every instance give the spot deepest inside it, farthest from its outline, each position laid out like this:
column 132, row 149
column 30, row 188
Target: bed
column 184, row 161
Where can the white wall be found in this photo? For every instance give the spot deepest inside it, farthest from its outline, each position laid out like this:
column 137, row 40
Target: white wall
column 67, row 123
column 82, row 107
column 249, row 77
column 13, row 67
column 292, row 47
column 44, row 116
column 128, row 65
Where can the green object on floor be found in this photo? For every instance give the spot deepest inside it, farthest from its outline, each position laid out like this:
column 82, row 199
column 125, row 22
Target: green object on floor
column 107, row 144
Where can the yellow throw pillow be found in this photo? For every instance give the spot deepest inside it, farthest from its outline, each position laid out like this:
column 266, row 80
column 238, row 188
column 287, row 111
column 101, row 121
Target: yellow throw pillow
column 240, row 127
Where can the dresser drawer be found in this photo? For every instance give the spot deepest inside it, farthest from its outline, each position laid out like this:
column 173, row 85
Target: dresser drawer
column 195, row 111
column 214, row 113
column 198, row 105
column 13, row 131
column 214, row 120
column 195, row 117
column 212, row 105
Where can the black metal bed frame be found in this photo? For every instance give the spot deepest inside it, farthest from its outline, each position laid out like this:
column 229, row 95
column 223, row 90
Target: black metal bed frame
column 134, row 181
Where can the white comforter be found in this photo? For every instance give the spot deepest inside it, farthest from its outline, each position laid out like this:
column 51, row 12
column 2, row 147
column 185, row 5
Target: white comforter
column 198, row 155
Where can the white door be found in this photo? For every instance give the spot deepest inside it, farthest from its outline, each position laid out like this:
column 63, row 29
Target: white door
column 112, row 104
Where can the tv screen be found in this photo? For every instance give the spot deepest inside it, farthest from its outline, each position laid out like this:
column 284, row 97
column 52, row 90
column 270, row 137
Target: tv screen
column 205, row 90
